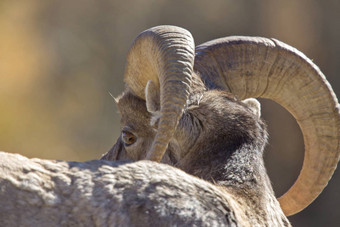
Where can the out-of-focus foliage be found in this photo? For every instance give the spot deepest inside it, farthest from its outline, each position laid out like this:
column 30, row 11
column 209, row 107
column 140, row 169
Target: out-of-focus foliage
column 60, row 59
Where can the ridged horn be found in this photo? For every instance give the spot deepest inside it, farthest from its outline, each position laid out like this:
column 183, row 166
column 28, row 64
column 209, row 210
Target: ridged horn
column 165, row 55
column 260, row 67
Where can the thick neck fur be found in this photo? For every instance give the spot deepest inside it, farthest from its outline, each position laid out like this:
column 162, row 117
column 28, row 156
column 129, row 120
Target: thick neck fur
column 225, row 146
column 215, row 132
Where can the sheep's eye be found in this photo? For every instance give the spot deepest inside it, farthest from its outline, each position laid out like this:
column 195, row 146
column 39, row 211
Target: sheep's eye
column 128, row 138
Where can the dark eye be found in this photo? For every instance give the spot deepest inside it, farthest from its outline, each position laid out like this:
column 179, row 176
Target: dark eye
column 128, row 138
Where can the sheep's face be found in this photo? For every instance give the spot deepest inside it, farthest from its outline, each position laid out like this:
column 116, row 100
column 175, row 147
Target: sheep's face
column 137, row 131
column 213, row 121
column 136, row 134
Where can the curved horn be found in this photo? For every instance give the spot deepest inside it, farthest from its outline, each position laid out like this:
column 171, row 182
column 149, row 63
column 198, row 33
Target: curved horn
column 259, row 67
column 165, row 55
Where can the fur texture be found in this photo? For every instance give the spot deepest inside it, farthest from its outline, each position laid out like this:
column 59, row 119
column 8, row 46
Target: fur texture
column 218, row 139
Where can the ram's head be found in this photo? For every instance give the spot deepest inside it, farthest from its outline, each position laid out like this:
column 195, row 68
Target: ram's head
column 182, row 106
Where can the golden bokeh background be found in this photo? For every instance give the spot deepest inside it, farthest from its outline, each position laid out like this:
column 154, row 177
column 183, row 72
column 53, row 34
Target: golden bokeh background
column 60, row 59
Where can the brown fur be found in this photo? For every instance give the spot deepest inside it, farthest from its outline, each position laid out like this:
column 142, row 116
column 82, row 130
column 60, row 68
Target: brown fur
column 218, row 139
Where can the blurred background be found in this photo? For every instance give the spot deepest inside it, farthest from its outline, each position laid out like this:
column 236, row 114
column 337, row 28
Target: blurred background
column 60, row 59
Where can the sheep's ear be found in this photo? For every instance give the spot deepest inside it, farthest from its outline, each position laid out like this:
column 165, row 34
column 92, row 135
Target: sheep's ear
column 153, row 103
column 114, row 98
column 152, row 97
column 254, row 106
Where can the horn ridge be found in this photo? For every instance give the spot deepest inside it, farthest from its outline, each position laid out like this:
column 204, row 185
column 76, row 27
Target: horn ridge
column 267, row 68
column 165, row 55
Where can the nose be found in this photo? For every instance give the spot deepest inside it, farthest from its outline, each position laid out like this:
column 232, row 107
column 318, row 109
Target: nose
column 113, row 153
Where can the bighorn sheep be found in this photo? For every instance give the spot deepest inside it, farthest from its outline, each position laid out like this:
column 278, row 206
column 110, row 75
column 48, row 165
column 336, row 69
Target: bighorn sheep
column 184, row 110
